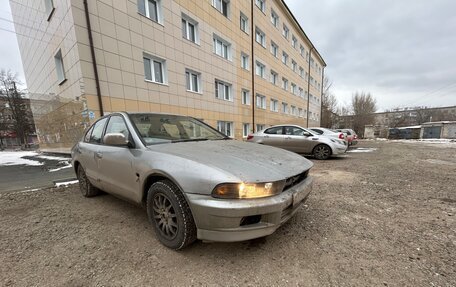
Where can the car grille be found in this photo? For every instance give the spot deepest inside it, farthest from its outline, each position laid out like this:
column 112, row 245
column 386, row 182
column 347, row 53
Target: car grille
column 294, row 180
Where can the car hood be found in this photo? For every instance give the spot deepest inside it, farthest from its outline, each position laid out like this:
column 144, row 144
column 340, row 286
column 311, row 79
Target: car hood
column 247, row 161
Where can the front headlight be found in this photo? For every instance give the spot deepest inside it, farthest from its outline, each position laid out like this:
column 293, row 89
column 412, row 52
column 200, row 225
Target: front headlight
column 248, row 190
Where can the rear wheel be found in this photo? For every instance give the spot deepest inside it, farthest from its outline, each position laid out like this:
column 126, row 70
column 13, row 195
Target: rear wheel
column 87, row 189
column 322, row 151
column 170, row 215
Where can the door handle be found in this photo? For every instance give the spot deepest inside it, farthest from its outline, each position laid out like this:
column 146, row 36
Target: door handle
column 99, row 154
column 266, row 136
column 288, row 138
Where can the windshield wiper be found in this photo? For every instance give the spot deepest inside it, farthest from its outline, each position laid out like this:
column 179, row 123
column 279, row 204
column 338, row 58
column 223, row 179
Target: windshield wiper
column 189, row 140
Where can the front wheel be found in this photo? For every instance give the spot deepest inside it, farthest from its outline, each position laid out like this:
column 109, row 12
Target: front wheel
column 322, row 151
column 87, row 189
column 170, row 215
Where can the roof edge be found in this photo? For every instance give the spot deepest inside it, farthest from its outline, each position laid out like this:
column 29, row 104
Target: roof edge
column 302, row 30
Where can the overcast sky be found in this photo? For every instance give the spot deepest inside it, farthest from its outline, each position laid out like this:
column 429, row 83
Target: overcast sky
column 403, row 52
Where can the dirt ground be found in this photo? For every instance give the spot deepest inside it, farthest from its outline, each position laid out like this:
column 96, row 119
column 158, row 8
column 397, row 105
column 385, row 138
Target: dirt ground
column 380, row 218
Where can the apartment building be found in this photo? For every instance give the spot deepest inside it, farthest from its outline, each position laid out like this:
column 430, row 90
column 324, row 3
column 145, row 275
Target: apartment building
column 238, row 65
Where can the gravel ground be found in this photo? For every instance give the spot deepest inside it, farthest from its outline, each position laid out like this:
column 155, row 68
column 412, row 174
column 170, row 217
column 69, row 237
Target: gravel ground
column 379, row 218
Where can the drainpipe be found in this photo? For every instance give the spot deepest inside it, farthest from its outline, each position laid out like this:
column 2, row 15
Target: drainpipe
column 252, row 68
column 321, row 93
column 94, row 60
column 308, row 88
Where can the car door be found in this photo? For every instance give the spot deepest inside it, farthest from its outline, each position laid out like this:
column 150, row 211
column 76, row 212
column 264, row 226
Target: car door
column 89, row 152
column 296, row 140
column 118, row 172
column 273, row 136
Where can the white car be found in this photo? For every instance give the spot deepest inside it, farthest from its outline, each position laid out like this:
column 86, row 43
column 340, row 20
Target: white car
column 300, row 140
column 330, row 133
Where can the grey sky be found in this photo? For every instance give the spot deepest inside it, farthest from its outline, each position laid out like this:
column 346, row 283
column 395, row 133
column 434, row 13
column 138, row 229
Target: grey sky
column 403, row 52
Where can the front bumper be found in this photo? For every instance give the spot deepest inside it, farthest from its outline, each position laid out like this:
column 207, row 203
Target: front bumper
column 339, row 149
column 220, row 219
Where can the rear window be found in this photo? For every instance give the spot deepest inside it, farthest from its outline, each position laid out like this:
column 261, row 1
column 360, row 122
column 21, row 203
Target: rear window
column 274, row 131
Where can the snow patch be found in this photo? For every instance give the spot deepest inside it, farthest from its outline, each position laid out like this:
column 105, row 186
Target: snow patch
column 66, row 165
column 362, row 149
column 49, row 157
column 16, row 158
column 66, row 183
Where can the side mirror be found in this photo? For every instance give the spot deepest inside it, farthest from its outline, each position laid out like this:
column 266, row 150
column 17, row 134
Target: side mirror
column 116, row 139
column 306, row 134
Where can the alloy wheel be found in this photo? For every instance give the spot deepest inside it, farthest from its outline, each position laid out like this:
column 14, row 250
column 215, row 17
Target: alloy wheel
column 165, row 216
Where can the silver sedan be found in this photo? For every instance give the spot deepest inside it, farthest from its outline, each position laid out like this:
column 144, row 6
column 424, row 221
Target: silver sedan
column 300, row 140
column 194, row 182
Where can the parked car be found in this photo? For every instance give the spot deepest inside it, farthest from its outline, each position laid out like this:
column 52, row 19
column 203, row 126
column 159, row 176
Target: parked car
column 329, row 133
column 352, row 137
column 300, row 140
column 194, row 182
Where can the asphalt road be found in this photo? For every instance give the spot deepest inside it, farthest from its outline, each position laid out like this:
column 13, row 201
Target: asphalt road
column 25, row 177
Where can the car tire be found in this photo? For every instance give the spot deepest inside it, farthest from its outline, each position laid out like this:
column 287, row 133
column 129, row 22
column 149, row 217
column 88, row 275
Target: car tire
column 170, row 215
column 86, row 188
column 322, row 152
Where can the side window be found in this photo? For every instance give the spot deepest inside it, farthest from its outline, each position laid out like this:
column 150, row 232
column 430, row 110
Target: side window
column 348, row 132
column 87, row 135
column 97, row 132
column 117, row 125
column 274, row 131
column 320, row 132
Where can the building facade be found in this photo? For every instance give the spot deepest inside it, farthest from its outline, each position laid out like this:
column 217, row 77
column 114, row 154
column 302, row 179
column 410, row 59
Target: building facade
column 238, row 65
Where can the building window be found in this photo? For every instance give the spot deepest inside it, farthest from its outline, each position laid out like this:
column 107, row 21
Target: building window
column 222, row 48
column 302, row 50
column 245, row 95
column 154, row 69
column 244, row 61
column 274, row 105
column 193, row 80
column 284, row 57
column 151, row 9
column 301, row 92
column 244, row 23
column 285, row 31
column 222, row 6
column 294, row 42
column 294, row 65
column 49, row 5
column 274, row 77
column 300, row 113
column 260, row 101
column 259, row 127
column 284, row 83
column 294, row 89
column 293, row 111
column 307, row 56
column 301, row 72
column 284, row 108
column 260, row 69
column 225, row 128
column 190, row 29
column 274, row 49
column 59, row 67
column 260, row 37
column 245, row 130
column 223, row 91
column 274, row 19
column 261, row 5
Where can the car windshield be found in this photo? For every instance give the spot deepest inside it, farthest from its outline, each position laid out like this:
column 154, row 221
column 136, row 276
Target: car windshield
column 157, row 128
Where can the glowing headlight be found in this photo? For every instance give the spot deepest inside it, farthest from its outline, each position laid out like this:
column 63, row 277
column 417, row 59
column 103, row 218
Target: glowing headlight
column 247, row 190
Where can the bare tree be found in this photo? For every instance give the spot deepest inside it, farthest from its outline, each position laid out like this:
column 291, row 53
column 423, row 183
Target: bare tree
column 328, row 105
column 363, row 107
column 15, row 106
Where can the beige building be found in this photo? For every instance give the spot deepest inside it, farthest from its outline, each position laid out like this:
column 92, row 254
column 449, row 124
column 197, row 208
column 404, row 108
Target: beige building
column 238, row 65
